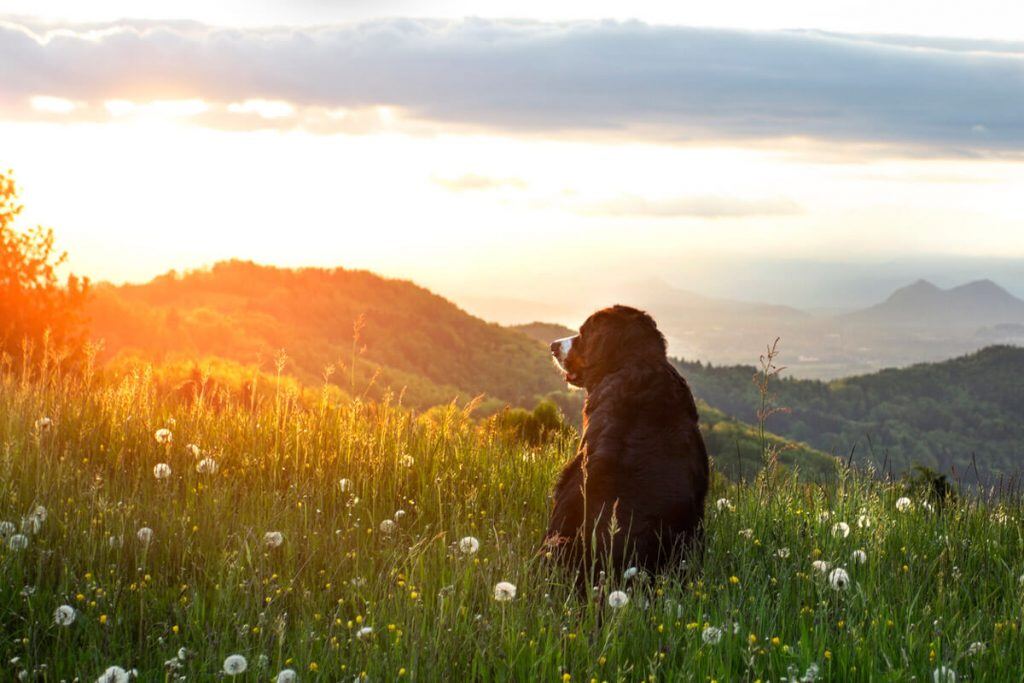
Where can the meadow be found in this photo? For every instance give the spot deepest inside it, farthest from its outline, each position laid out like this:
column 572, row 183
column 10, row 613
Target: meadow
column 331, row 540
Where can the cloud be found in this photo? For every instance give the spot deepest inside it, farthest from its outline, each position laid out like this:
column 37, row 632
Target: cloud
column 624, row 79
column 704, row 206
column 473, row 181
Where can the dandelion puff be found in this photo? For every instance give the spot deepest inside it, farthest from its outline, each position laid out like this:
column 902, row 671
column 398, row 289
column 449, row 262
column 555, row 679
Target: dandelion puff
column 630, row 573
column 504, row 591
column 711, row 635
column 364, row 632
column 469, row 545
column 207, row 466
column 113, row 674
column 903, row 504
column 235, row 664
column 145, row 535
column 820, row 566
column 44, row 424
column 287, row 676
column 387, row 526
column 811, row 674
column 40, row 513
column 944, row 674
column 163, row 436
column 617, row 599
column 840, row 529
column 746, row 533
column 976, row 648
column 115, row 541
column 399, row 514
column 839, row 579
column 783, row 553
column 162, row 470
column 64, row 615
column 345, row 485
column 18, row 542
column 723, row 504
column 182, row 654
column 195, row 450
column 7, row 529
column 31, row 524
column 273, row 539
column 859, row 557
column 863, row 522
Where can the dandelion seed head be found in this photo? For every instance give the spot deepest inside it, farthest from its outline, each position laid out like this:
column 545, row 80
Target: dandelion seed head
column 7, row 528
column 782, row 553
column 113, row 674
column 840, row 529
column 161, row 470
column 235, row 664
column 863, row 522
column 630, row 573
column 163, row 436
column 820, row 566
column 504, row 591
column 746, row 533
column 145, row 535
column 617, row 599
column 64, row 615
column 903, row 504
column 723, row 504
column 976, row 648
column 839, row 579
column 469, row 545
column 944, row 674
column 387, row 526
column 195, row 450
column 273, row 539
column 399, row 514
column 17, row 542
column 31, row 524
column 364, row 632
column 859, row 557
column 207, row 466
column 711, row 635
column 287, row 676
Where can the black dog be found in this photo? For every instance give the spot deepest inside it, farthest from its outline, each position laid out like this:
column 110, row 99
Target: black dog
column 635, row 491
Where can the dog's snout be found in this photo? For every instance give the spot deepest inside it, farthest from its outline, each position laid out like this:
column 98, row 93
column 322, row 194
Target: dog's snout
column 560, row 348
column 556, row 346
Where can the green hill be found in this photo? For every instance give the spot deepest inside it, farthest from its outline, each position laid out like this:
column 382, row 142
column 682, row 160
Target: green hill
column 407, row 336
column 943, row 415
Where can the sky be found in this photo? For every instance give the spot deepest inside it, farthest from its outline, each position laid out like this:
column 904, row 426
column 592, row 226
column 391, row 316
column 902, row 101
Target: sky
column 521, row 150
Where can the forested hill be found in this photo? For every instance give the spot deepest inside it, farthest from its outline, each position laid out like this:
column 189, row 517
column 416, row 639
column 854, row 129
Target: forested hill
column 934, row 414
column 247, row 313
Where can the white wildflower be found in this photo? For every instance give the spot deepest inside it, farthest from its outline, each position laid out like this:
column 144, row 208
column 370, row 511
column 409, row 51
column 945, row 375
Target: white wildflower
column 399, row 514
column 195, row 450
column 163, row 436
column 617, row 599
column 783, row 553
column 904, row 504
column 273, row 539
column 387, row 526
column 859, row 557
column 287, row 676
column 944, row 674
column 7, row 528
column 839, row 579
column 64, row 615
column 31, row 524
column 40, row 513
column 235, row 664
column 811, row 674
column 161, row 470
column 976, row 648
column 18, row 542
column 746, row 533
column 820, row 566
column 113, row 674
column 364, row 632
column 207, row 466
column 44, row 424
column 630, row 573
column 504, row 591
column 723, row 504
column 469, row 545
column 711, row 635
column 145, row 535
column 863, row 522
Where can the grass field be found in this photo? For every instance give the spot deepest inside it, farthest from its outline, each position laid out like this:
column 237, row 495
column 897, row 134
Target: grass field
column 370, row 578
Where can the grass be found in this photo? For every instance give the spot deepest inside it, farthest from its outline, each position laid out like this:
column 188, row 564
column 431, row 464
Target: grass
column 934, row 583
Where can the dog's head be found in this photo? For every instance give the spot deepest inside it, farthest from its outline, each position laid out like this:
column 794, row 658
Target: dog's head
column 608, row 340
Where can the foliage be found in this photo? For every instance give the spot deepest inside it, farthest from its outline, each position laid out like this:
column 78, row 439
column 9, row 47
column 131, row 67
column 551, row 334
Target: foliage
column 962, row 413
column 33, row 304
column 938, row 588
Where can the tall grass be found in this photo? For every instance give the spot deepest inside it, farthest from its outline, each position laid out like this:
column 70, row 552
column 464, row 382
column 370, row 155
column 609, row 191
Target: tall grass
column 935, row 582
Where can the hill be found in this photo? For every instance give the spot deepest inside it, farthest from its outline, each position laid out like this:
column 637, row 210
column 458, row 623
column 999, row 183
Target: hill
column 360, row 323
column 974, row 304
column 545, row 333
column 943, row 415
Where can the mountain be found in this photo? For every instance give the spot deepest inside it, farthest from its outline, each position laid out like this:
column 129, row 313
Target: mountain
column 963, row 413
column 362, row 324
column 975, row 304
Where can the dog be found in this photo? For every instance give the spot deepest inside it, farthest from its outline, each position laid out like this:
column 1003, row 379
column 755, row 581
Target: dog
column 634, row 494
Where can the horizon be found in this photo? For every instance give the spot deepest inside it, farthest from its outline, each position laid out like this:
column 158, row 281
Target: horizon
column 855, row 153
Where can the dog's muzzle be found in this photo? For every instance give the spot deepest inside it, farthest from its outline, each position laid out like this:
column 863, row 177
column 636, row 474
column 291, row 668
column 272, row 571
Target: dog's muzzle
column 560, row 349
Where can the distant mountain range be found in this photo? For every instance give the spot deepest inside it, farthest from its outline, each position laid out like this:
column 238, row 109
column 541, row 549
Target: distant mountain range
column 974, row 304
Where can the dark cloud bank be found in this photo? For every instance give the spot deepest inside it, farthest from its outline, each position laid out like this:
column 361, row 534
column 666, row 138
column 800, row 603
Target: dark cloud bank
column 675, row 83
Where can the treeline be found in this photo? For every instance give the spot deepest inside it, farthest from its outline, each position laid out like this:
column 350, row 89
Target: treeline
column 960, row 413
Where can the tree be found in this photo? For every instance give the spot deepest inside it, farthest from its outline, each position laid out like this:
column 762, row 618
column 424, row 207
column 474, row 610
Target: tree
column 32, row 301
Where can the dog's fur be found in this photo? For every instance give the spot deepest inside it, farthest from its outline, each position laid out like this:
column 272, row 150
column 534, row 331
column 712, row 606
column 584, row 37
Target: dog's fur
column 641, row 458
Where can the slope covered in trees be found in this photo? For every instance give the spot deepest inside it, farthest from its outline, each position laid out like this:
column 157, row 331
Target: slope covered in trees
column 359, row 323
column 951, row 414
